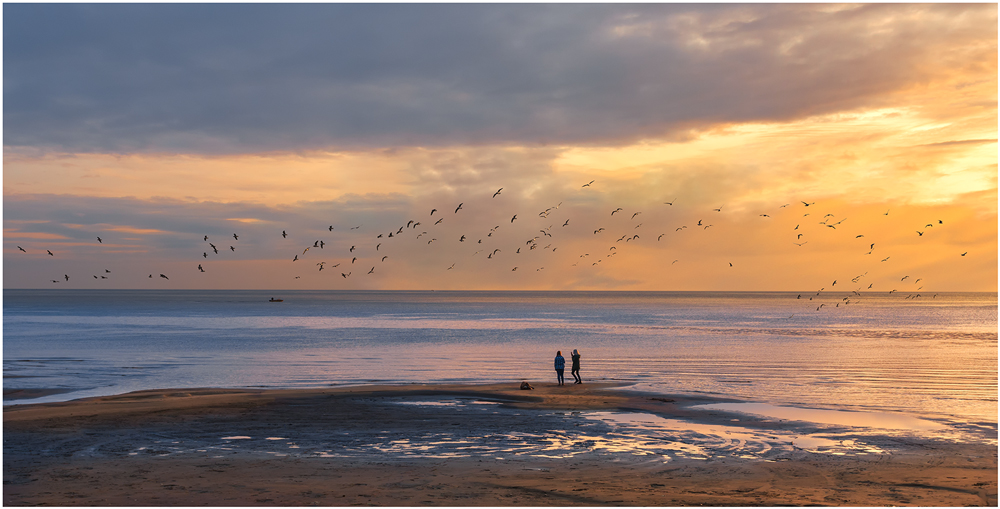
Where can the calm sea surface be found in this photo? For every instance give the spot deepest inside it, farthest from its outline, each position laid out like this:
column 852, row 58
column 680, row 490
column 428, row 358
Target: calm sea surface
column 932, row 355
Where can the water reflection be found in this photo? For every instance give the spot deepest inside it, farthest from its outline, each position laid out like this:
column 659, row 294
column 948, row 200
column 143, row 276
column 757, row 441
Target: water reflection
column 880, row 420
column 613, row 434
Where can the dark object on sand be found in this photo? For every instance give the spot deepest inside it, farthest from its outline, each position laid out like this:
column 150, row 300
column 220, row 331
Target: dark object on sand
column 276, row 300
column 525, row 386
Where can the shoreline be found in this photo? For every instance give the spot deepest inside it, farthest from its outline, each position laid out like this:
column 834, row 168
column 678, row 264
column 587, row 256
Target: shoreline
column 452, row 444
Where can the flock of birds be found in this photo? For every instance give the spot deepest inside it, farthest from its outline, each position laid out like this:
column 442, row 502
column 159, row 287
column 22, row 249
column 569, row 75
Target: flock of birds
column 614, row 235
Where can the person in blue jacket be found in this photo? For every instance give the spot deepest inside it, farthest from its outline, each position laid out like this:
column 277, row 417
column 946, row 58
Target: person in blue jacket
column 560, row 367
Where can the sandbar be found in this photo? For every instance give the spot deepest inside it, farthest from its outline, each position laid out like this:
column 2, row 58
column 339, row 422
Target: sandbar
column 595, row 444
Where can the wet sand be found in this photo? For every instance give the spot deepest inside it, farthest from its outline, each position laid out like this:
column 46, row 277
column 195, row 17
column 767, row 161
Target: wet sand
column 478, row 445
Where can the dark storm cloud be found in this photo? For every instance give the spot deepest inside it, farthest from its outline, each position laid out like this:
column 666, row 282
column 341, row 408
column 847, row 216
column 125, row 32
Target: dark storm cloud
column 229, row 78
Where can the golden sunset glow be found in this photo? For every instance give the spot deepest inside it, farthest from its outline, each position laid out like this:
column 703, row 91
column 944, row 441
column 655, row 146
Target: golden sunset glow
column 917, row 139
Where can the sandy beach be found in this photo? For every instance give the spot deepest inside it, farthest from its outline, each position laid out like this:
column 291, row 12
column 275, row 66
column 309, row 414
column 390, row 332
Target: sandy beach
column 469, row 445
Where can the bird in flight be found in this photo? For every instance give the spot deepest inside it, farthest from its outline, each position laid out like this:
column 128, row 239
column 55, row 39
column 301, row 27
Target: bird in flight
column 232, row 248
column 206, row 240
column 498, row 192
column 965, row 253
column 23, row 251
column 616, row 210
column 459, row 207
column 164, row 277
column 636, row 214
column 585, row 185
column 49, row 252
column 66, row 276
column 718, row 209
column 513, row 218
column 566, row 223
column 433, row 211
column 236, row 237
column 671, row 203
column 808, row 204
column 284, row 235
column 99, row 240
column 201, row 269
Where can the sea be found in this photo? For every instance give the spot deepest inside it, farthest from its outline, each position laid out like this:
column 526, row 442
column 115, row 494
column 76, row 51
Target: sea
column 932, row 355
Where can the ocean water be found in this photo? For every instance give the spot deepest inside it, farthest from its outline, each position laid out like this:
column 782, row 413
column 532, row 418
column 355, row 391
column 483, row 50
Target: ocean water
column 934, row 356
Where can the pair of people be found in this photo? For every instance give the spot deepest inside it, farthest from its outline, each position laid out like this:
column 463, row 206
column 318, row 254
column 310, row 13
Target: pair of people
column 561, row 366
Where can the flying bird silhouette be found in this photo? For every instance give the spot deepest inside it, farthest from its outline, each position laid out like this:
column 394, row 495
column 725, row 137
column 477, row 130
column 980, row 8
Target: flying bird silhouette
column 459, row 207
column 498, row 192
column 22, row 249
column 99, row 241
column 586, row 185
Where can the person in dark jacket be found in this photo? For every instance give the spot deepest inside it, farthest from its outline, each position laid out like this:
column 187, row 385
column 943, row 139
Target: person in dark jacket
column 576, row 367
column 560, row 367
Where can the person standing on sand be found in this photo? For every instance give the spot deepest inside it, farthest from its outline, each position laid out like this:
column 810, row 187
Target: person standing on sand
column 576, row 366
column 560, row 366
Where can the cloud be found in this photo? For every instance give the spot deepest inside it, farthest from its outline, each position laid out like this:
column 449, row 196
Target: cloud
column 552, row 241
column 228, row 78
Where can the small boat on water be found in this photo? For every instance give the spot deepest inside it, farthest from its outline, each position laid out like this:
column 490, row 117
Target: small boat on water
column 276, row 300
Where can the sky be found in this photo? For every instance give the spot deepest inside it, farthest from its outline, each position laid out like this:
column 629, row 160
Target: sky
column 673, row 147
